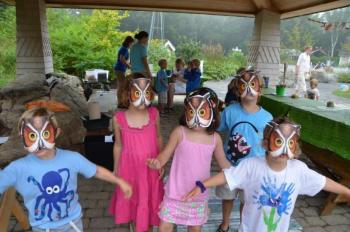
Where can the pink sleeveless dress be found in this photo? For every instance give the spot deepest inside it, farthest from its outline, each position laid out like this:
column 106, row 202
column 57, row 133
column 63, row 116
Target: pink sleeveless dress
column 191, row 162
column 138, row 144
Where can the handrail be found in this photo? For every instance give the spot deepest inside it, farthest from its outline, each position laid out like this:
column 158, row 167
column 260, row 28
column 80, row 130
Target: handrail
column 8, row 206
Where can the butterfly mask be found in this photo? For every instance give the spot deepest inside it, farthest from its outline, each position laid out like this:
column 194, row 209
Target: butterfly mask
column 141, row 92
column 199, row 110
column 248, row 85
column 283, row 139
column 35, row 138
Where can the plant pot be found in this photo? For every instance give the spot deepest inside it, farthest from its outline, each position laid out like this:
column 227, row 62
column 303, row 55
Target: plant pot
column 280, row 90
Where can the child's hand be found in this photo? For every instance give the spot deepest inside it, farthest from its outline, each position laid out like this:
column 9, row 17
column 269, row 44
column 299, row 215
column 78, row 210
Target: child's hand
column 126, row 188
column 195, row 192
column 154, row 163
column 161, row 173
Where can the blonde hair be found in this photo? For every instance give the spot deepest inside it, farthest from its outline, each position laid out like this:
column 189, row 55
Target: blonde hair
column 196, row 62
column 314, row 82
column 37, row 112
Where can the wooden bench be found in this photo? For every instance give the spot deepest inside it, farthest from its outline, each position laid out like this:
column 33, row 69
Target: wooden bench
column 8, row 206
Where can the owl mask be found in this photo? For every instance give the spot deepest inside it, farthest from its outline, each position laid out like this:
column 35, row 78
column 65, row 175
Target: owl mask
column 141, row 92
column 283, row 139
column 248, row 84
column 199, row 110
column 35, row 139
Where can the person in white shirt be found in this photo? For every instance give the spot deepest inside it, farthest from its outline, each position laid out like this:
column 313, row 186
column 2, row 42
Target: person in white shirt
column 302, row 69
column 272, row 183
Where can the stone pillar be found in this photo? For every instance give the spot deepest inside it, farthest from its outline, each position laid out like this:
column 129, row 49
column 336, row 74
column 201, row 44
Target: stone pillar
column 33, row 49
column 264, row 51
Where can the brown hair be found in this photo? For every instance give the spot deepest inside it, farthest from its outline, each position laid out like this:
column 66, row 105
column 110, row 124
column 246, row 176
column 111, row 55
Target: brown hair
column 196, row 62
column 127, row 41
column 314, row 82
column 180, row 61
column 161, row 61
column 36, row 112
column 141, row 35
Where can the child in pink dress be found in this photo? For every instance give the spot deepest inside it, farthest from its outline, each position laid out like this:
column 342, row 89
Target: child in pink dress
column 193, row 145
column 137, row 138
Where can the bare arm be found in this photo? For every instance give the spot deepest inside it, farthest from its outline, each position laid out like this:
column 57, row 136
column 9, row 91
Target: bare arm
column 145, row 63
column 167, row 152
column 124, row 61
column 216, row 180
column 220, row 154
column 105, row 175
column 117, row 148
column 334, row 187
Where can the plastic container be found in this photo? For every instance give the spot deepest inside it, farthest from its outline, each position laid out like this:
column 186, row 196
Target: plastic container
column 280, row 90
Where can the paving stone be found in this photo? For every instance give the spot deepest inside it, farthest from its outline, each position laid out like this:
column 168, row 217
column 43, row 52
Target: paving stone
column 301, row 203
column 101, row 223
column 90, row 213
column 96, row 195
column 337, row 228
column 103, row 204
column 315, row 201
column 298, row 213
column 302, row 222
column 315, row 221
column 88, row 204
column 86, row 222
column 314, row 229
column 310, row 211
column 336, row 219
column 339, row 209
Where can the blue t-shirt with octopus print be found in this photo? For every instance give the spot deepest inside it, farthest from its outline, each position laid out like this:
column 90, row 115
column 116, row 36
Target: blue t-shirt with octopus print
column 48, row 187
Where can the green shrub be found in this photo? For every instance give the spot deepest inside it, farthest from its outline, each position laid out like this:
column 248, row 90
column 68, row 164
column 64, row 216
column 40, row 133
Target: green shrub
column 344, row 77
column 158, row 51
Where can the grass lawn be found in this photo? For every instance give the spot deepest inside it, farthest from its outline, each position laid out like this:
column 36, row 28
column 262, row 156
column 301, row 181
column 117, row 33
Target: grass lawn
column 342, row 94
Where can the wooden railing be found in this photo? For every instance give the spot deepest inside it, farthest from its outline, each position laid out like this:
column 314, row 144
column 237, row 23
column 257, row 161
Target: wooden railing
column 8, row 206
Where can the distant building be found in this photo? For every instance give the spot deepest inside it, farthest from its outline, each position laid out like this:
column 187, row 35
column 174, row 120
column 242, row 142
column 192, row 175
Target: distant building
column 344, row 58
column 169, row 46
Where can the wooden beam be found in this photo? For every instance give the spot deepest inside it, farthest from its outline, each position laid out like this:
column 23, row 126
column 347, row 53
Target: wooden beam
column 331, row 5
column 6, row 205
column 21, row 216
column 265, row 5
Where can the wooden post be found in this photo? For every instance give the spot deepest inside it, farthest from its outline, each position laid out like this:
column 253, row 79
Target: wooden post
column 8, row 205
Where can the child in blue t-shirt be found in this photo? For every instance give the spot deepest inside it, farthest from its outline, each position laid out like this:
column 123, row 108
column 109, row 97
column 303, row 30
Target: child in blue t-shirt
column 193, row 76
column 244, row 124
column 162, row 85
column 47, row 177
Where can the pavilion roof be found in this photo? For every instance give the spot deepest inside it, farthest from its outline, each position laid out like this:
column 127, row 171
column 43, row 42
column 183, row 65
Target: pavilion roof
column 287, row 8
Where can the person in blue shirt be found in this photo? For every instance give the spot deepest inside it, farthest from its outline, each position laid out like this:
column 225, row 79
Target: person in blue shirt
column 162, row 85
column 138, row 55
column 120, row 68
column 193, row 76
column 47, row 177
column 243, row 123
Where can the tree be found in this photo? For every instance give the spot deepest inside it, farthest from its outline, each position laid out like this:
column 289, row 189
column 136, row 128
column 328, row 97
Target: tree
column 188, row 49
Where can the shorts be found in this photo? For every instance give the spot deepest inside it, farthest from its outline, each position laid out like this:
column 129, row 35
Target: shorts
column 163, row 97
column 225, row 193
column 73, row 226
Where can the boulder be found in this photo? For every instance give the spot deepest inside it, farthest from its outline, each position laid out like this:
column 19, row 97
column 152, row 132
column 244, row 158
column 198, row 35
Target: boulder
column 32, row 87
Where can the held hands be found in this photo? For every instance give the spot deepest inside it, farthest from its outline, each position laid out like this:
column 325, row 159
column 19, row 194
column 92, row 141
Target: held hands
column 195, row 192
column 126, row 188
column 154, row 164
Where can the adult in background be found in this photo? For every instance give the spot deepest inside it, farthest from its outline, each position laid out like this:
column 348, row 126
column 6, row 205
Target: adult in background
column 120, row 68
column 138, row 55
column 302, row 69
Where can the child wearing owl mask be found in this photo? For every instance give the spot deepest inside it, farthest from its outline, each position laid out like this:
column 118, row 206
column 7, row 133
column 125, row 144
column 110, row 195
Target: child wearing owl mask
column 47, row 177
column 272, row 183
column 243, row 124
column 137, row 138
column 192, row 145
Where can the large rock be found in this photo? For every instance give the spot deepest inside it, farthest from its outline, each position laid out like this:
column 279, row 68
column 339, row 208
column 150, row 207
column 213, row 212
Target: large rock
column 30, row 88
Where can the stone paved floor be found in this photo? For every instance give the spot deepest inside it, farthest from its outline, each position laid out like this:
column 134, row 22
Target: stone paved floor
column 95, row 195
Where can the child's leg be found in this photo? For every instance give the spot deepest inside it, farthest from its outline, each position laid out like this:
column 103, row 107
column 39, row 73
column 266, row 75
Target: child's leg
column 227, row 206
column 165, row 226
column 194, row 228
column 171, row 93
column 150, row 229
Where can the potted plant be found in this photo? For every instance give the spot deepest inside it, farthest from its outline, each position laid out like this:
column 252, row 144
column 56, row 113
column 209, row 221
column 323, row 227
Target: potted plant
column 281, row 87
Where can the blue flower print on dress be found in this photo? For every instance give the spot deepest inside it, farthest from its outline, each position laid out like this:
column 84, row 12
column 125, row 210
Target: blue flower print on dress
column 278, row 198
column 52, row 194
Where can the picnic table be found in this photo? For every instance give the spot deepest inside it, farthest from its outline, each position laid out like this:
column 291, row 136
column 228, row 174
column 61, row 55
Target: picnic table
column 325, row 136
